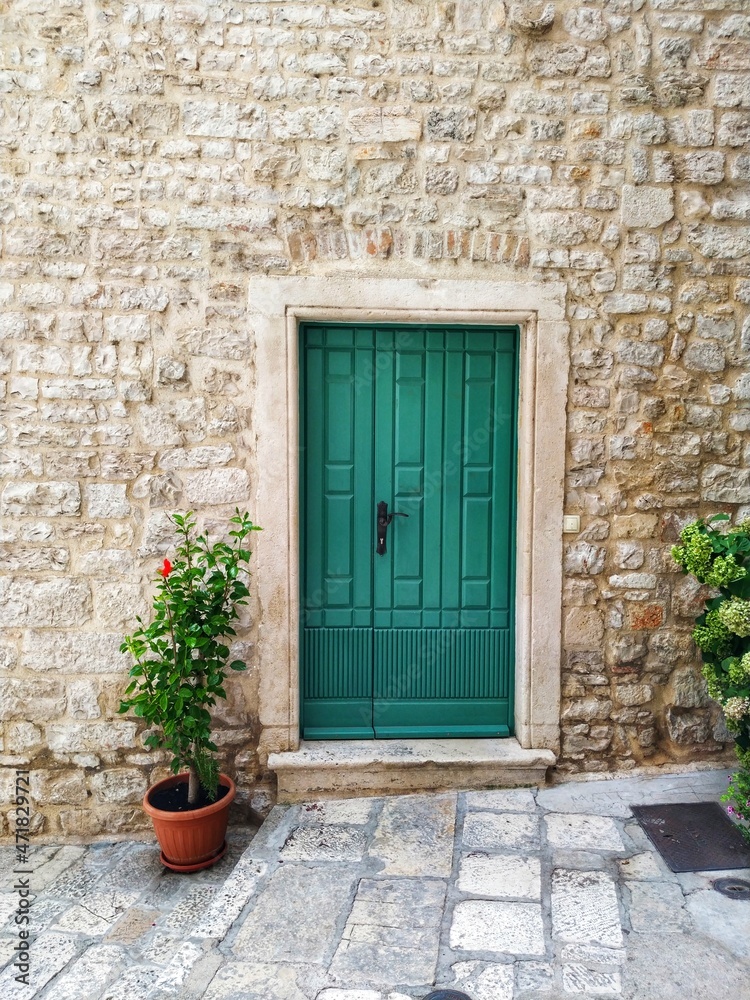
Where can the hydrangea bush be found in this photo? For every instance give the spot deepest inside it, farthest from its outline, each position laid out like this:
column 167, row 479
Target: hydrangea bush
column 721, row 560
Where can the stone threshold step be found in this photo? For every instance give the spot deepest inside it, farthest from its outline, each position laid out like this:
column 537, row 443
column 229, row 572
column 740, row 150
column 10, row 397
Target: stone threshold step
column 353, row 768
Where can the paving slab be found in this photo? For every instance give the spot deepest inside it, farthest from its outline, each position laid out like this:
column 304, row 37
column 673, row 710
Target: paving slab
column 535, row 977
column 97, row 912
column 415, row 835
column 658, row 908
column 726, row 921
column 501, row 831
column 583, row 833
column 503, row 800
column 89, row 975
column 500, row 927
column 579, row 979
column 230, row 901
column 314, row 902
column 356, row 812
column 647, row 865
column 500, row 875
column 327, row 843
column 51, row 953
column 690, row 968
column 485, row 981
column 585, row 909
column 392, row 934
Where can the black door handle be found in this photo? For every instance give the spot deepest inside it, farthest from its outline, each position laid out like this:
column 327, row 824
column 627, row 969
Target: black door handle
column 384, row 519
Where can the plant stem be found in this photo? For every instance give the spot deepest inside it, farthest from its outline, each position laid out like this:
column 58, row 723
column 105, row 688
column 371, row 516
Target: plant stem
column 193, row 786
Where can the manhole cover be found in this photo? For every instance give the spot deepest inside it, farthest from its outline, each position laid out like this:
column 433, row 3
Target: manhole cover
column 735, row 888
column 447, row 995
column 694, row 836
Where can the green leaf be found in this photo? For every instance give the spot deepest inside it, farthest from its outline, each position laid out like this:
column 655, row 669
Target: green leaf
column 237, row 665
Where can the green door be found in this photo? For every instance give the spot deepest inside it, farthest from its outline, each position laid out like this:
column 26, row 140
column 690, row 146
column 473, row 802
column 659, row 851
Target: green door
column 418, row 641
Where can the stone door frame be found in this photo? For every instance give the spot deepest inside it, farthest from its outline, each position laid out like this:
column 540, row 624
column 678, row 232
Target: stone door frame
column 277, row 305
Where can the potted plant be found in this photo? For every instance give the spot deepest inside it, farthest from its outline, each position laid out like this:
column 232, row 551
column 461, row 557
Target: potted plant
column 180, row 666
column 721, row 560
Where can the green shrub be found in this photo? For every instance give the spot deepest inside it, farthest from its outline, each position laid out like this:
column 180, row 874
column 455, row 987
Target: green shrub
column 181, row 661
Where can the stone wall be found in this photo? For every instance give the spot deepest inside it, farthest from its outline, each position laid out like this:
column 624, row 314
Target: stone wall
column 155, row 156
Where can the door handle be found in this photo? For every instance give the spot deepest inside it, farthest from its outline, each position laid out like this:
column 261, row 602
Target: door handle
column 384, row 519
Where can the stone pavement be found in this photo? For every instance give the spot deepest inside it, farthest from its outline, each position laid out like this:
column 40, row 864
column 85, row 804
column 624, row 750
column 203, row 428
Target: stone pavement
column 506, row 895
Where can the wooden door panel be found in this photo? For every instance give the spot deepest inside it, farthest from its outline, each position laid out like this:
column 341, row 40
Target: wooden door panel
column 337, row 512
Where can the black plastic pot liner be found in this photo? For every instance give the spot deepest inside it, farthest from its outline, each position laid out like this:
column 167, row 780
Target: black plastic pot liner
column 694, row 836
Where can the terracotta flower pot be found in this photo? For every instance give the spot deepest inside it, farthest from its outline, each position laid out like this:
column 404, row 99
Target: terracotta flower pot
column 194, row 839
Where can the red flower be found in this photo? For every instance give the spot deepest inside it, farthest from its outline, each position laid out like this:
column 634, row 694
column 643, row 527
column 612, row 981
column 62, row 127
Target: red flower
column 166, row 569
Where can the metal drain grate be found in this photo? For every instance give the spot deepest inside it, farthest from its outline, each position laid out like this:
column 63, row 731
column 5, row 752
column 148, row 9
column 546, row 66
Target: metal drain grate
column 694, row 836
column 735, row 888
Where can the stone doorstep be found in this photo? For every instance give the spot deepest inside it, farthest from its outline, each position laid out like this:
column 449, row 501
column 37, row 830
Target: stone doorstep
column 354, row 768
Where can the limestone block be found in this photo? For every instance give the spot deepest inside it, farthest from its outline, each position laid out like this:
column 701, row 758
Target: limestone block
column 452, row 123
column 31, row 699
column 646, row 207
column 81, row 737
column 556, row 59
column 83, row 699
column 725, row 484
column 628, row 649
column 174, row 423
column 572, row 831
column 216, row 342
column 314, row 899
column 22, row 737
column 117, row 604
column 128, row 328
column 214, row 118
column 702, row 357
column 107, row 500
column 119, row 784
column 688, row 688
column 73, row 652
column 629, row 555
column 625, row 302
column 57, row 603
column 687, row 726
column 54, row 952
column 41, row 499
column 499, row 831
column 727, row 243
column 588, row 709
column 565, row 229
column 393, row 124
column 585, row 909
column 584, row 559
column 61, row 787
column 107, row 563
column 216, row 486
column 584, row 627
column 331, row 843
column 415, row 835
column 31, row 558
column 634, row 694
column 634, row 352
